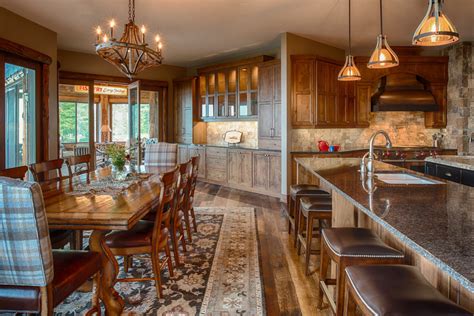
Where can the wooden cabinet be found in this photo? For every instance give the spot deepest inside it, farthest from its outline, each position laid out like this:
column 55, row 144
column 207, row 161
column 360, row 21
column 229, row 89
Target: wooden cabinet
column 267, row 171
column 239, row 164
column 269, row 105
column 201, row 152
column 319, row 100
column 183, row 154
column 230, row 91
column 216, row 164
column 462, row 176
column 184, row 91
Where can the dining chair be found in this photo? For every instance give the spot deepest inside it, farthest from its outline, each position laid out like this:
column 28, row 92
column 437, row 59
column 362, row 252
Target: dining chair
column 15, row 173
column 33, row 277
column 42, row 173
column 161, row 154
column 77, row 166
column 195, row 173
column 150, row 237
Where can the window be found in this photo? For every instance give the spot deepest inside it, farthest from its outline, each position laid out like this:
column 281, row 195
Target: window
column 145, row 121
column 74, row 122
column 120, row 123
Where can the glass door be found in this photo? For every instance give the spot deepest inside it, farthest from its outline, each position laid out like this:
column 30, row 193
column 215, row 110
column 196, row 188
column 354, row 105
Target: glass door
column 20, row 114
column 134, row 123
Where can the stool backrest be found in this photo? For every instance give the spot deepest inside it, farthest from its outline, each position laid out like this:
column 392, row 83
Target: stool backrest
column 15, row 173
column 161, row 154
column 25, row 248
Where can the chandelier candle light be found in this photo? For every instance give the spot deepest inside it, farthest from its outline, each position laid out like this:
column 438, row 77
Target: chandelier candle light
column 131, row 54
column 436, row 29
column 349, row 71
column 383, row 56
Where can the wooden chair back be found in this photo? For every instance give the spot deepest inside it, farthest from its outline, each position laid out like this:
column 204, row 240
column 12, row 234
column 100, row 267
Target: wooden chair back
column 15, row 173
column 195, row 162
column 185, row 171
column 167, row 205
column 42, row 173
column 84, row 162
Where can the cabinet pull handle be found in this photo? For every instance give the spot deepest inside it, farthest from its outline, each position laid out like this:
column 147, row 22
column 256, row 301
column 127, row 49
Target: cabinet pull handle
column 448, row 174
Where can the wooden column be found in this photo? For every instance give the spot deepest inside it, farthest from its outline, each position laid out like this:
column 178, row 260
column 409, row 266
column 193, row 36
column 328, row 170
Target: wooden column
column 105, row 111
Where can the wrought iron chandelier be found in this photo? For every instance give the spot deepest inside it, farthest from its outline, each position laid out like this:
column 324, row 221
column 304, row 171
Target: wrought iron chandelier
column 131, row 54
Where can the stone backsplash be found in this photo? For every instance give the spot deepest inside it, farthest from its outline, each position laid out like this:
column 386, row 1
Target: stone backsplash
column 404, row 128
column 249, row 129
column 460, row 129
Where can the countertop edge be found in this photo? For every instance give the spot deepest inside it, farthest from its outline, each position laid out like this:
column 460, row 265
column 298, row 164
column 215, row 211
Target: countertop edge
column 425, row 253
column 446, row 162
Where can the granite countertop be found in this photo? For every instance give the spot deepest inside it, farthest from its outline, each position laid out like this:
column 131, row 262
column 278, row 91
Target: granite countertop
column 463, row 162
column 436, row 220
column 233, row 147
column 349, row 150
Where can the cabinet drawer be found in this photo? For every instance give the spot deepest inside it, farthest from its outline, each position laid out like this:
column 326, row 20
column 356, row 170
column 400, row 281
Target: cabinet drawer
column 448, row 173
column 467, row 177
column 216, row 152
column 216, row 174
column 216, row 163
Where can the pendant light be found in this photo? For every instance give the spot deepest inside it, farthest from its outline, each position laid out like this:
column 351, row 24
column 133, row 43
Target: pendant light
column 349, row 71
column 436, row 29
column 383, row 56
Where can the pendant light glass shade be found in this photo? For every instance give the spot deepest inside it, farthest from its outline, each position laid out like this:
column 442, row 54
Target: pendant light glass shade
column 383, row 56
column 349, row 72
column 436, row 29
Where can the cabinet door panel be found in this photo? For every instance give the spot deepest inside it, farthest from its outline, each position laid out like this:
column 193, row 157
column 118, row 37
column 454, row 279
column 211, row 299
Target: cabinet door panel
column 303, row 97
column 265, row 87
column 265, row 119
column 234, row 167
column 182, row 153
column 363, row 104
column 327, row 90
column 277, row 83
column 274, row 180
column 246, row 168
column 277, row 119
column 260, row 171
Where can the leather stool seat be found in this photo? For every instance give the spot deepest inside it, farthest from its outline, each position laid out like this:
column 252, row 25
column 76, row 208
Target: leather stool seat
column 358, row 242
column 71, row 270
column 306, row 189
column 397, row 290
column 139, row 236
column 322, row 203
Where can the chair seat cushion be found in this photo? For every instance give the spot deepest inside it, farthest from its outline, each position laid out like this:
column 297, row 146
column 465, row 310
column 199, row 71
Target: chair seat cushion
column 139, row 236
column 20, row 298
column 399, row 290
column 306, row 189
column 358, row 242
column 71, row 270
column 320, row 203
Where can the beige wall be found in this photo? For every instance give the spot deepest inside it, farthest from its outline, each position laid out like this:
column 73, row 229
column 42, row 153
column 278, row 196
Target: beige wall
column 93, row 64
column 22, row 31
column 249, row 129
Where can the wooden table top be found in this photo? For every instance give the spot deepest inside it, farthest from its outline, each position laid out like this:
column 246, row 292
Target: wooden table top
column 103, row 212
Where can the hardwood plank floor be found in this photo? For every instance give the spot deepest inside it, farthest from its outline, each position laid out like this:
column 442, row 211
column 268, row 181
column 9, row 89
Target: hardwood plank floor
column 288, row 291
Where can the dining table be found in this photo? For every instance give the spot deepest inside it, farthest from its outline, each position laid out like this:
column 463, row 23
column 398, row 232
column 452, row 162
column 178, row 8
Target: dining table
column 102, row 213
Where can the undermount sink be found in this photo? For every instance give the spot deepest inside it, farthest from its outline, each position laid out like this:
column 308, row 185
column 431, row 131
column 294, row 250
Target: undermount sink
column 404, row 178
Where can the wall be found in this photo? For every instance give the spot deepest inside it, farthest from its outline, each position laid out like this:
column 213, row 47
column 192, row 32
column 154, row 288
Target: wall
column 93, row 64
column 249, row 129
column 460, row 129
column 404, row 129
column 292, row 44
column 27, row 33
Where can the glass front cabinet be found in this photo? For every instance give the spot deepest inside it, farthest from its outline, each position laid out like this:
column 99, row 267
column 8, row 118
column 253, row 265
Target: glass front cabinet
column 229, row 93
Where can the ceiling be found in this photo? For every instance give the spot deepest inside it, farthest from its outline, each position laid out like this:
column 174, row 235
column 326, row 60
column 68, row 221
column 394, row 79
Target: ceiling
column 195, row 31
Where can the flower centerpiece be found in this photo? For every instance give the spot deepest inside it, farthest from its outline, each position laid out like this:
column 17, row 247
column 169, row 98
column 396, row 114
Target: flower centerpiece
column 117, row 155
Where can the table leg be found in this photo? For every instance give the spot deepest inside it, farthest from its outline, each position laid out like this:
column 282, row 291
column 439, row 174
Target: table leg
column 114, row 304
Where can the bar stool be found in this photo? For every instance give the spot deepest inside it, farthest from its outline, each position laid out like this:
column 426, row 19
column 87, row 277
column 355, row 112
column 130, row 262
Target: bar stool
column 297, row 191
column 311, row 209
column 346, row 247
column 394, row 290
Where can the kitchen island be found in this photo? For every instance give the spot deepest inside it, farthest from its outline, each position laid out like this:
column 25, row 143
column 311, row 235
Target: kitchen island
column 433, row 224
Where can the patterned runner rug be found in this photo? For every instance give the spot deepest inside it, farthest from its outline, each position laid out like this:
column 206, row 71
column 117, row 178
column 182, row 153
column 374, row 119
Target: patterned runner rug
column 220, row 274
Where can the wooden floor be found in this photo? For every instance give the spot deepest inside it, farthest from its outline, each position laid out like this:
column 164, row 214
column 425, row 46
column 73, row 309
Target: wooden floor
column 287, row 290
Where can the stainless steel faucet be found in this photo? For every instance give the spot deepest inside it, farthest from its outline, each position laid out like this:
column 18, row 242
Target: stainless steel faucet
column 370, row 159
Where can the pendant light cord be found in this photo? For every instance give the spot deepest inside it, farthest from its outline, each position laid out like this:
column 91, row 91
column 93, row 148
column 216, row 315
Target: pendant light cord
column 350, row 42
column 381, row 18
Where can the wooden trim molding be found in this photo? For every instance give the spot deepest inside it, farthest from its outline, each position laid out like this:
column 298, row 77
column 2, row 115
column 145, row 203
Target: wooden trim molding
column 254, row 60
column 23, row 51
column 79, row 76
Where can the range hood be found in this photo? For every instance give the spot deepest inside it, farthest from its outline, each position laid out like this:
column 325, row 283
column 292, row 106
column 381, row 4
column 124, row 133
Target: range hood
column 403, row 92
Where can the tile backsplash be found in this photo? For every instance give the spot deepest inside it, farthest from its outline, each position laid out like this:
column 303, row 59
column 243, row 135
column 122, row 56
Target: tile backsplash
column 404, row 128
column 249, row 129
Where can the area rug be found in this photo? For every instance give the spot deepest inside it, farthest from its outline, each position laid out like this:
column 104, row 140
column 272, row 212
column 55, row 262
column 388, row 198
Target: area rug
column 220, row 274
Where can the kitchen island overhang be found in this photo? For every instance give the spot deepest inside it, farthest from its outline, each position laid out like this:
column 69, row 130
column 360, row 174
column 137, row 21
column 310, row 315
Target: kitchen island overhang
column 432, row 223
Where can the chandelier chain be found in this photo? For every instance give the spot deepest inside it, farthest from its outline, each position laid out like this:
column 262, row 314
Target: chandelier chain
column 131, row 10
column 350, row 41
column 381, row 18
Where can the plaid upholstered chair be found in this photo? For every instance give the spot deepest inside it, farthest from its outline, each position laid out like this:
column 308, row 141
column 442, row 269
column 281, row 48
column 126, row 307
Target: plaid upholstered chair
column 161, row 155
column 33, row 278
